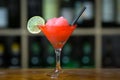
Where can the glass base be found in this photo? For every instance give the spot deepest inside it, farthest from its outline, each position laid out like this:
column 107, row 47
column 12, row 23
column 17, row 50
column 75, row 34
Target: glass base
column 72, row 75
column 55, row 73
column 64, row 75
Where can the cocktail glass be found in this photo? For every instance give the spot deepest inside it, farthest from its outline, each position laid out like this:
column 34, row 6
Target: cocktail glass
column 57, row 35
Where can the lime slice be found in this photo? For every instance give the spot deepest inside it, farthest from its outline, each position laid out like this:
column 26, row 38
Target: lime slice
column 33, row 23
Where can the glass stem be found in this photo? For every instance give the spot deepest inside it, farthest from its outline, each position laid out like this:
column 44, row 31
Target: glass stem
column 58, row 66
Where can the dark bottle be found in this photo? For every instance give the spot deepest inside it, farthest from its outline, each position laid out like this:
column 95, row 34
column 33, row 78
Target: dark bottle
column 67, row 49
column 35, row 52
column 34, row 8
column 14, row 52
column 85, row 61
column 66, row 62
column 87, row 55
column 49, row 56
column 77, row 7
column 50, row 61
column 115, row 50
column 88, row 18
column 67, row 10
column 87, row 52
column 87, row 48
column 118, row 13
column 2, row 51
column 15, row 59
column 66, row 55
column 108, row 59
column 108, row 13
column 14, row 13
column 3, row 14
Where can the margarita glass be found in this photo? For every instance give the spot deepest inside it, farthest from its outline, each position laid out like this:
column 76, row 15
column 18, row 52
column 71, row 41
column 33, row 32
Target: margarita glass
column 57, row 31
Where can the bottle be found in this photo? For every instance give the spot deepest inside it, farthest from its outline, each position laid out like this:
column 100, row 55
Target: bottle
column 3, row 14
column 86, row 48
column 77, row 7
column 14, row 52
column 108, row 13
column 35, row 61
column 108, row 61
column 85, row 61
column 67, row 49
column 35, row 50
column 66, row 55
column 117, row 61
column 50, row 8
column 14, row 13
column 49, row 56
column 116, row 49
column 34, row 8
column 87, row 53
column 88, row 16
column 66, row 61
column 118, row 13
column 50, row 49
column 2, row 51
column 50, row 61
column 66, row 10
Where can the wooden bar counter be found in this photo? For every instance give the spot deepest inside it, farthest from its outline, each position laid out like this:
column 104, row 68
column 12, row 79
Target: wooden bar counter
column 68, row 74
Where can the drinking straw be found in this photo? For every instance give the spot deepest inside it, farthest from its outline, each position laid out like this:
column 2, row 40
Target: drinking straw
column 77, row 17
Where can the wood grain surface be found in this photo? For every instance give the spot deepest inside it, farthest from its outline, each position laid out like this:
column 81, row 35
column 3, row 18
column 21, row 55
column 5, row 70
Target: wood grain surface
column 68, row 74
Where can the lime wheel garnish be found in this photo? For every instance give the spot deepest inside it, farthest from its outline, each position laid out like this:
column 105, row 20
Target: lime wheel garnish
column 33, row 24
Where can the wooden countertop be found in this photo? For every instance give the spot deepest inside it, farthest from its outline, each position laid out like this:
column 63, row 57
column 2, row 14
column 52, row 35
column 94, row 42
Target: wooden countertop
column 68, row 74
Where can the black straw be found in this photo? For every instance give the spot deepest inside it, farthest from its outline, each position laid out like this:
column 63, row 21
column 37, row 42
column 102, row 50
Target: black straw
column 77, row 17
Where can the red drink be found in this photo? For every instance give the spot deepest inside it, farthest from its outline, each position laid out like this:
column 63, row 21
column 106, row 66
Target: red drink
column 57, row 31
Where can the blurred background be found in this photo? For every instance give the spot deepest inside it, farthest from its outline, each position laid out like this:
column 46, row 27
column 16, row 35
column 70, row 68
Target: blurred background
column 94, row 44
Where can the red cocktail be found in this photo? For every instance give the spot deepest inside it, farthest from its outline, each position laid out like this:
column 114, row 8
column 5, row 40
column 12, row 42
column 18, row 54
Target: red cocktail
column 57, row 31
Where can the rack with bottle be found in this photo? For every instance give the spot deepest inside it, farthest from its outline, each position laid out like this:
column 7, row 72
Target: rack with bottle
column 110, row 50
column 77, row 52
column 10, row 52
column 10, row 14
